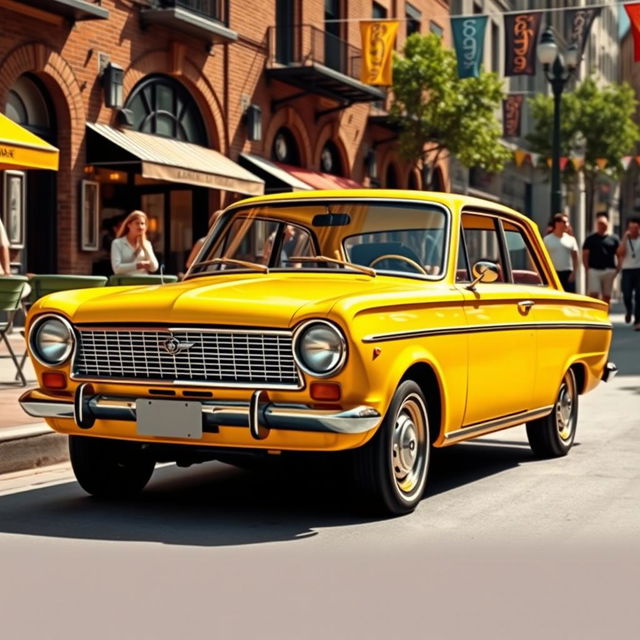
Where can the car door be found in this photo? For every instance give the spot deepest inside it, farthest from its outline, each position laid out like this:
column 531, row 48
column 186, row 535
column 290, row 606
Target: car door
column 502, row 339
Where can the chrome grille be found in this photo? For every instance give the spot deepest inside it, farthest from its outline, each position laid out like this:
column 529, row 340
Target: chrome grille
column 215, row 356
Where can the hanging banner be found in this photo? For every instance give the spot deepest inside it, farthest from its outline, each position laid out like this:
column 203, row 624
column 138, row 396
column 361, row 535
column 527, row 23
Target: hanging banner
column 377, row 47
column 468, row 37
column 578, row 25
column 512, row 115
column 521, row 31
column 633, row 11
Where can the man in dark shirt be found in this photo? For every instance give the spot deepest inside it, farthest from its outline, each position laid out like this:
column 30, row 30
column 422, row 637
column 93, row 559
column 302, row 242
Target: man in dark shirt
column 600, row 260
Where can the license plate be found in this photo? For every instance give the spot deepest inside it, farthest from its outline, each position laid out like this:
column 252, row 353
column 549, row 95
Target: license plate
column 169, row 418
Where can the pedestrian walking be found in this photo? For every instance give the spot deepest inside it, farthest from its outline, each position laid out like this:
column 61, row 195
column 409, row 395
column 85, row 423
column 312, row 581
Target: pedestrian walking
column 131, row 252
column 629, row 260
column 599, row 256
column 563, row 250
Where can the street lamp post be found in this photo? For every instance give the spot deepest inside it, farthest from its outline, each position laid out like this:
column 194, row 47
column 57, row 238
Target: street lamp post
column 557, row 71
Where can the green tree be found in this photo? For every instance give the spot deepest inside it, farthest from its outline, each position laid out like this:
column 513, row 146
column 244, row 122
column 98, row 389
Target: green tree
column 601, row 118
column 437, row 111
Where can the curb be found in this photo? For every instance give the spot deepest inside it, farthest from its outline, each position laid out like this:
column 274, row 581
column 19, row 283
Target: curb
column 29, row 446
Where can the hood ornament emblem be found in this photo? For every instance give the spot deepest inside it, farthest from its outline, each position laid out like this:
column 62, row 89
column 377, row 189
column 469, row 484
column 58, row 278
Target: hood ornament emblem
column 173, row 346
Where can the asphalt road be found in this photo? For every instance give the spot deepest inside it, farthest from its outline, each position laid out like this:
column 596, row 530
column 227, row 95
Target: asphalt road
column 502, row 546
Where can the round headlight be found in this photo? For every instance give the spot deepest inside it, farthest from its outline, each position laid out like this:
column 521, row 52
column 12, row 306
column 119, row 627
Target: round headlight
column 320, row 349
column 52, row 340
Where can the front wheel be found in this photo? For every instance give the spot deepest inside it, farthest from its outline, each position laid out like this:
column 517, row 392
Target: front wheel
column 110, row 468
column 391, row 469
column 553, row 435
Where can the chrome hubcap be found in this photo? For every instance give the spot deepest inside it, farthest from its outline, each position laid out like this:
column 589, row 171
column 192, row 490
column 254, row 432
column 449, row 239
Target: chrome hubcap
column 565, row 410
column 409, row 453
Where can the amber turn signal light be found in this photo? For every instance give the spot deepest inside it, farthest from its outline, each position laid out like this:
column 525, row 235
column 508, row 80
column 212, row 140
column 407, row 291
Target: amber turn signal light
column 325, row 391
column 54, row 380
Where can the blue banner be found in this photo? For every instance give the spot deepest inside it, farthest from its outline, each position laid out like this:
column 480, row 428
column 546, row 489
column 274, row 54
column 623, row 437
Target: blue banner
column 468, row 37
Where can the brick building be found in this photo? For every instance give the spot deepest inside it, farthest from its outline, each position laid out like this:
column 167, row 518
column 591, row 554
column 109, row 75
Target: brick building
column 179, row 107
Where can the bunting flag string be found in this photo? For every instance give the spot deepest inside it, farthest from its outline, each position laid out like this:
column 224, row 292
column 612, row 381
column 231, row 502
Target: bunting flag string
column 638, row 160
column 626, row 161
column 577, row 162
column 520, row 156
column 602, row 163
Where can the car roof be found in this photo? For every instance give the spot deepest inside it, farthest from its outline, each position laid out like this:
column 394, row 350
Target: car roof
column 455, row 202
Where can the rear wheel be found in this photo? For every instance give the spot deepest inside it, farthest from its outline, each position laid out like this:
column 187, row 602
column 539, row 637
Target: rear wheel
column 110, row 468
column 553, row 435
column 391, row 469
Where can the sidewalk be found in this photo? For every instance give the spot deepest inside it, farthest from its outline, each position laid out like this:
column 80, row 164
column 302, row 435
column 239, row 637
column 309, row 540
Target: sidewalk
column 27, row 442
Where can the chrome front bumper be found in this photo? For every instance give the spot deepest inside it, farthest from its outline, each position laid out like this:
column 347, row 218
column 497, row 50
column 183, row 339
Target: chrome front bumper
column 257, row 416
column 609, row 372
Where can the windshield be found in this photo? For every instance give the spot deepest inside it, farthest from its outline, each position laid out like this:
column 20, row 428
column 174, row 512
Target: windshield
column 395, row 237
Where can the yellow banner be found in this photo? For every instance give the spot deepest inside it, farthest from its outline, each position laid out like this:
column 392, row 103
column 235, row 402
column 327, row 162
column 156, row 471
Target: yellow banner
column 377, row 46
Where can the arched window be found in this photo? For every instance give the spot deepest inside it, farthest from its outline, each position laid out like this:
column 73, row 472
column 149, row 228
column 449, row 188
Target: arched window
column 437, row 180
column 330, row 159
column 284, row 147
column 413, row 181
column 162, row 106
column 28, row 106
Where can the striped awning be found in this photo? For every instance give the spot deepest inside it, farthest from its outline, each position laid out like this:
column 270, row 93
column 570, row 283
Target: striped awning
column 21, row 149
column 172, row 160
column 271, row 169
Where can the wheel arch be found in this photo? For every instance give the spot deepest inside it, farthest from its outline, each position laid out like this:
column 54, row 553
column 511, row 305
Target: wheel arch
column 427, row 379
column 580, row 372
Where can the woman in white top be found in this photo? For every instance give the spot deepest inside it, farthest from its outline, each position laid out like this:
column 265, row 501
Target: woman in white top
column 131, row 252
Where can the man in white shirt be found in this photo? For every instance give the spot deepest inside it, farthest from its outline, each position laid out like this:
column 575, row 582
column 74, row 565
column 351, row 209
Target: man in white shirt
column 629, row 258
column 563, row 250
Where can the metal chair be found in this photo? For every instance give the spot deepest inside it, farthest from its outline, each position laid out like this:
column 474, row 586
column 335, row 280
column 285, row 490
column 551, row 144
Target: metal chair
column 121, row 280
column 11, row 289
column 46, row 283
column 43, row 284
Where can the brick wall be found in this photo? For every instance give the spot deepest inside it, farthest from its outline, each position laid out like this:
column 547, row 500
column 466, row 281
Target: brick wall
column 65, row 58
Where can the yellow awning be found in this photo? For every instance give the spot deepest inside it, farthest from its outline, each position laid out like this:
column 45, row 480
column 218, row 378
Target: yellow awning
column 21, row 149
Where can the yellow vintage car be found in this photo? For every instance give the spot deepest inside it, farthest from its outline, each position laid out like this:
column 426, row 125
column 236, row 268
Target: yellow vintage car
column 381, row 322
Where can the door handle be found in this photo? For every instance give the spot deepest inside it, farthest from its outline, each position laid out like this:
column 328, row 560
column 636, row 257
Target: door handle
column 525, row 305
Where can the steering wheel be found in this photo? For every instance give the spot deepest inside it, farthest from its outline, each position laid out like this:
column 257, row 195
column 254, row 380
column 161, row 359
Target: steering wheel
column 396, row 256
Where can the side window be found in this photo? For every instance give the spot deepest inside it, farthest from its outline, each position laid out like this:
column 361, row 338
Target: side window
column 462, row 268
column 524, row 268
column 482, row 240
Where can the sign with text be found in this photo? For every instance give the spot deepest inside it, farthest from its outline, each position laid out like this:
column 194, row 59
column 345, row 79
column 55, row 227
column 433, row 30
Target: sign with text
column 468, row 36
column 512, row 115
column 521, row 32
column 378, row 37
column 578, row 24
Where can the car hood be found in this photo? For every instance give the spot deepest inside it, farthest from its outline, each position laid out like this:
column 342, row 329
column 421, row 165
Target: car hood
column 271, row 300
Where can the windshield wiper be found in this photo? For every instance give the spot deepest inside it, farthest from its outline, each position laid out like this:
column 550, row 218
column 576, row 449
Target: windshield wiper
column 344, row 263
column 241, row 263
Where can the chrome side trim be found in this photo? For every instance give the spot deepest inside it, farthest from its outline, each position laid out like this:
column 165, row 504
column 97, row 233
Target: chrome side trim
column 484, row 328
column 292, row 417
column 499, row 423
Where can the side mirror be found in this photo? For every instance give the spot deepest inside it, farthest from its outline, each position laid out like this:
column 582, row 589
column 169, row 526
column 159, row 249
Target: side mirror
column 483, row 271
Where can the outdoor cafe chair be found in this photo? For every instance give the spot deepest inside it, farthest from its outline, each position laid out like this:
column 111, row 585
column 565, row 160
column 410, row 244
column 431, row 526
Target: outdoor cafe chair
column 155, row 278
column 11, row 289
column 46, row 283
column 43, row 284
